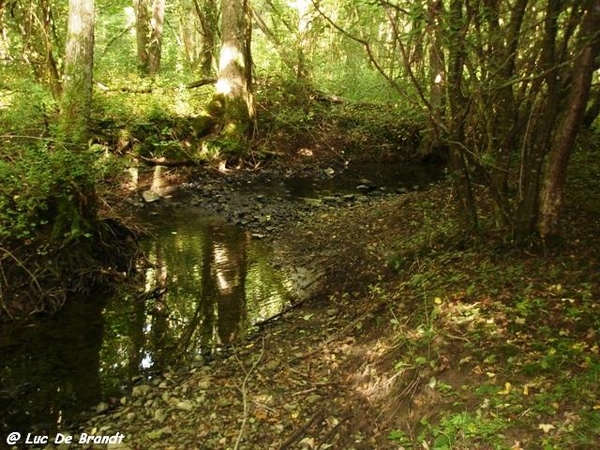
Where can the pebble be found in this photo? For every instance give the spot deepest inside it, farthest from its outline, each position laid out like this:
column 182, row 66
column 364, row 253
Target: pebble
column 185, row 405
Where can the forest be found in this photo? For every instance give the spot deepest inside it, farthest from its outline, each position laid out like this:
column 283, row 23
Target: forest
column 347, row 224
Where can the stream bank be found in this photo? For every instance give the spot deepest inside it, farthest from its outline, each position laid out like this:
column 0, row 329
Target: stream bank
column 209, row 277
column 416, row 339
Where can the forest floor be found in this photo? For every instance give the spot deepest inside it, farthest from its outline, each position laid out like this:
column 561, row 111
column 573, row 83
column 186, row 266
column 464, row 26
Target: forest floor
column 419, row 338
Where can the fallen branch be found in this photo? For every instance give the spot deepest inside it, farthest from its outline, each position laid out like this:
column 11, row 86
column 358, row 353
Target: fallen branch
column 170, row 163
column 149, row 90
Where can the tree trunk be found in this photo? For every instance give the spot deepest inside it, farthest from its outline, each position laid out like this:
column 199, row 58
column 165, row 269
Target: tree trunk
column 542, row 121
column 142, row 34
column 208, row 15
column 458, row 113
column 593, row 111
column 34, row 23
column 78, row 72
column 555, row 176
column 234, row 88
column 155, row 44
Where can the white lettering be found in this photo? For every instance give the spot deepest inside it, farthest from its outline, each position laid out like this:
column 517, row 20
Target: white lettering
column 63, row 439
column 91, row 439
column 31, row 439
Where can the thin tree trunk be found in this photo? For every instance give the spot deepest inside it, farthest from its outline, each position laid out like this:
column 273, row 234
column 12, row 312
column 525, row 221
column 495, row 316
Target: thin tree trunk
column 458, row 113
column 142, row 34
column 78, row 72
column 208, row 16
column 155, row 44
column 555, row 176
column 542, row 124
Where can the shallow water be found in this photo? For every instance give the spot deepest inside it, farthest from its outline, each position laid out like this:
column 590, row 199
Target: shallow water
column 205, row 283
column 391, row 177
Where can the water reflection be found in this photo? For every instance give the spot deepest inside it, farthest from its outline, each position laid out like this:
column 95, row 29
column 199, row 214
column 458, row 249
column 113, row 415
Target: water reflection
column 206, row 284
column 49, row 370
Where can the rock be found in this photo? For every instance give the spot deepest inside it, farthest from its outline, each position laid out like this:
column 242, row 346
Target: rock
column 141, row 390
column 204, row 383
column 364, row 187
column 160, row 416
column 329, row 172
column 349, row 197
column 150, row 196
column 184, row 405
column 101, row 408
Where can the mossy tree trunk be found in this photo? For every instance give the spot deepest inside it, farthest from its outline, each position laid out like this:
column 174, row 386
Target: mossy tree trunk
column 234, row 84
column 35, row 23
column 76, row 205
column 156, row 37
column 208, row 14
column 149, row 25
column 142, row 34
column 78, row 73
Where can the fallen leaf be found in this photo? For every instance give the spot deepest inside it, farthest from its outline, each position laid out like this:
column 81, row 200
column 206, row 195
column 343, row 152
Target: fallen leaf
column 310, row 442
column 507, row 389
column 546, row 427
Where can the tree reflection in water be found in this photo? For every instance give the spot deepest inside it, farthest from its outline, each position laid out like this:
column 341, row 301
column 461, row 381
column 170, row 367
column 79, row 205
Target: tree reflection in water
column 213, row 282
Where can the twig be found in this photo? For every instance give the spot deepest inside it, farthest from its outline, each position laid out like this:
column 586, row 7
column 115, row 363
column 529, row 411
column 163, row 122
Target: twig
column 20, row 264
column 243, row 390
column 300, row 431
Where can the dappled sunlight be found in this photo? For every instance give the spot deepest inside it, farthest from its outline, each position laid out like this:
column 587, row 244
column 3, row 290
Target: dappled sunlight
column 370, row 380
column 223, row 87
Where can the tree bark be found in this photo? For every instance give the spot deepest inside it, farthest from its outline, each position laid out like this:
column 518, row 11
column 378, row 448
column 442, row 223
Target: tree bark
column 458, row 113
column 78, row 72
column 542, row 120
column 208, row 15
column 142, row 34
column 156, row 37
column 554, row 179
column 34, row 23
column 234, row 84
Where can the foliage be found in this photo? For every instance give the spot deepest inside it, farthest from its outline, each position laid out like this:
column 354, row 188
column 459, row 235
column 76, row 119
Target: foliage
column 502, row 343
column 35, row 180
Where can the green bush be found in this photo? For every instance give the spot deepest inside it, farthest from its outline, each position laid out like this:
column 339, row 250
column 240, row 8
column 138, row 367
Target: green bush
column 44, row 188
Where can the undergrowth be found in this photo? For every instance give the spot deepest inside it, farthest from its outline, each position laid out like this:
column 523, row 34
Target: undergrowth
column 503, row 342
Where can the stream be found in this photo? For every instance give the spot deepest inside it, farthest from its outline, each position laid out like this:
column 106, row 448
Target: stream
column 205, row 283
